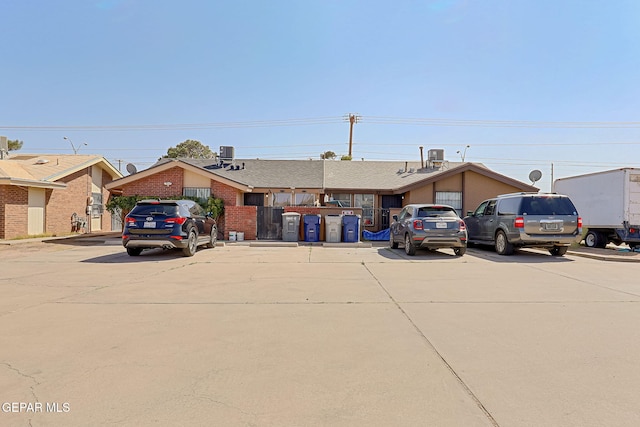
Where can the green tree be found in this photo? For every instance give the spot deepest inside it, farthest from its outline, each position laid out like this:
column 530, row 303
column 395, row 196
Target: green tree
column 328, row 155
column 345, row 157
column 14, row 144
column 191, row 149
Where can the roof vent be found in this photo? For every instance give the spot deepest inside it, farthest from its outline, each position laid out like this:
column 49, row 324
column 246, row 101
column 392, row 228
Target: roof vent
column 42, row 161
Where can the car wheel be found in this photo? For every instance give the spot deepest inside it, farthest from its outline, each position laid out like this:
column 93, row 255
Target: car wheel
column 594, row 239
column 558, row 250
column 460, row 251
column 409, row 246
column 134, row 251
column 192, row 244
column 392, row 243
column 503, row 247
column 213, row 238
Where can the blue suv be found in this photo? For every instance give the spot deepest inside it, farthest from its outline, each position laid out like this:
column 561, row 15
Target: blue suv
column 168, row 224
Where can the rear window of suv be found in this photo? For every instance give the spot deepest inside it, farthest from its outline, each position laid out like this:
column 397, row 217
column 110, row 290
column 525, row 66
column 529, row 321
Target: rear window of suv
column 436, row 211
column 153, row 209
column 551, row 205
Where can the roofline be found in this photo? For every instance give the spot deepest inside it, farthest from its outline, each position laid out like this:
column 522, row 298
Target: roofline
column 117, row 184
column 31, row 183
column 96, row 160
column 473, row 167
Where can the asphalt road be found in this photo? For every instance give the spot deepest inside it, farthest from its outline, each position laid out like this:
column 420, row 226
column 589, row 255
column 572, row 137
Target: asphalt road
column 315, row 336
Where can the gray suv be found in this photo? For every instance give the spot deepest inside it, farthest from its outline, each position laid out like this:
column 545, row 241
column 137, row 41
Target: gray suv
column 512, row 221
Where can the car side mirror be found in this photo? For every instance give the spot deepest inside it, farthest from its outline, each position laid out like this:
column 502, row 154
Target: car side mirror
column 395, row 217
column 470, row 213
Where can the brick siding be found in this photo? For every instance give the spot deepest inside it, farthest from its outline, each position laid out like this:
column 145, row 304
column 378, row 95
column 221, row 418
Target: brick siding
column 13, row 211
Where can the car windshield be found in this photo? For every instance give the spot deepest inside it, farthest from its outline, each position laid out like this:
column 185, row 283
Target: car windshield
column 153, row 209
column 436, row 212
column 549, row 205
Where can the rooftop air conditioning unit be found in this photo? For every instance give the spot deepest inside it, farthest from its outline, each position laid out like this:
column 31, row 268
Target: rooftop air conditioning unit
column 436, row 155
column 226, row 153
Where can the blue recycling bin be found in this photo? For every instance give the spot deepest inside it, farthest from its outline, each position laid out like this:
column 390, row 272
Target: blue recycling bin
column 312, row 228
column 351, row 228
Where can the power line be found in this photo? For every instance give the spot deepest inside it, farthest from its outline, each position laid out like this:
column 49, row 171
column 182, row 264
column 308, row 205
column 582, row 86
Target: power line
column 334, row 120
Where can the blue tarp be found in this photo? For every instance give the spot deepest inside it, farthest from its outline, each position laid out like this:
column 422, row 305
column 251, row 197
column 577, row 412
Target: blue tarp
column 380, row 235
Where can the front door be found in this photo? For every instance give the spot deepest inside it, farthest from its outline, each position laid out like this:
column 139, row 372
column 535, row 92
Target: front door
column 35, row 211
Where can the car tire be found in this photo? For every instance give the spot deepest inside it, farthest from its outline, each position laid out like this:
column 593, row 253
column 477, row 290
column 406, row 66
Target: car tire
column 213, row 238
column 460, row 251
column 558, row 250
column 392, row 243
column 503, row 247
column 134, row 251
column 594, row 239
column 192, row 243
column 409, row 246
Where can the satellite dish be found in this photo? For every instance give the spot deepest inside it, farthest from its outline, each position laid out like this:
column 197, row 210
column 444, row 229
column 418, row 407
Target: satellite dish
column 535, row 175
column 131, row 168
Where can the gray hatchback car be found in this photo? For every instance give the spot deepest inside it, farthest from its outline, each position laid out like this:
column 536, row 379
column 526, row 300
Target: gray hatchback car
column 428, row 226
column 512, row 221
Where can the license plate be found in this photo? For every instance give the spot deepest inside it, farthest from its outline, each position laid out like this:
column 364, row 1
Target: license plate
column 553, row 226
column 441, row 225
column 148, row 224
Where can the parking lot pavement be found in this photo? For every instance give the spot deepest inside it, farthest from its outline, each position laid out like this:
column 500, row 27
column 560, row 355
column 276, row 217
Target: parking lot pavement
column 241, row 335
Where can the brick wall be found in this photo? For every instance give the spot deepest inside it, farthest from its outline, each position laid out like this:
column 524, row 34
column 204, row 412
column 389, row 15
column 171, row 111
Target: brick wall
column 241, row 218
column 154, row 185
column 13, row 211
column 224, row 192
column 62, row 203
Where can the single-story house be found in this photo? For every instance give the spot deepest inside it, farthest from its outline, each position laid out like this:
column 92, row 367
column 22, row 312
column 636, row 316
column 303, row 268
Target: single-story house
column 253, row 188
column 40, row 193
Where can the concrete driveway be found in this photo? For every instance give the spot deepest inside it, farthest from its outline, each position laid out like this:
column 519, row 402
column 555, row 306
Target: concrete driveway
column 258, row 336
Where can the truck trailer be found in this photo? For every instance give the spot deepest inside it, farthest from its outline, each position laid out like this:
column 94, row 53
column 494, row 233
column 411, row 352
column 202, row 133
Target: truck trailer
column 609, row 204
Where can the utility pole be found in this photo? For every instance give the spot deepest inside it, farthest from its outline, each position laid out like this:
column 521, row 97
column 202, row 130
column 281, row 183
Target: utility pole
column 353, row 118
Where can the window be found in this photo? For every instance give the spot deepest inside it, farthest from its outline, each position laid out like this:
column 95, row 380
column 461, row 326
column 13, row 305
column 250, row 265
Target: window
column 305, row 199
column 345, row 199
column 451, row 198
column 199, row 192
column 281, row 199
column 365, row 201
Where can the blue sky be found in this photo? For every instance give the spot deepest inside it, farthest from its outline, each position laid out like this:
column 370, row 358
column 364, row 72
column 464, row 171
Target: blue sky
column 524, row 83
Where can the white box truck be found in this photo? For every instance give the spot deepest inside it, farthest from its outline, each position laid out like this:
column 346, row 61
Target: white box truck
column 609, row 204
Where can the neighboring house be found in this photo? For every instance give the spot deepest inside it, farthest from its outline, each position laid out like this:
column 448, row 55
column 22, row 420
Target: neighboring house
column 251, row 188
column 39, row 194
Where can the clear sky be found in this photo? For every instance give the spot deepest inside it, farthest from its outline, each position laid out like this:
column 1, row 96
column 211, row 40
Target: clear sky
column 525, row 83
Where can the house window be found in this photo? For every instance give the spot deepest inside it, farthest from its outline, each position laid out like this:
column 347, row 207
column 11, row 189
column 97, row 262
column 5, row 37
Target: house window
column 345, row 199
column 305, row 199
column 200, row 192
column 365, row 201
column 451, row 198
column 97, row 207
column 281, row 199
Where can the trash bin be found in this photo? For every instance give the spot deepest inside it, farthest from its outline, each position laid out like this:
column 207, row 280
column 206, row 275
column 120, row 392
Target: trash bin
column 290, row 226
column 351, row 228
column 333, row 228
column 312, row 228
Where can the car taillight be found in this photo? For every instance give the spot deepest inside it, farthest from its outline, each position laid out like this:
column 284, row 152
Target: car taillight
column 462, row 225
column 130, row 220
column 519, row 222
column 179, row 220
column 579, row 222
column 417, row 224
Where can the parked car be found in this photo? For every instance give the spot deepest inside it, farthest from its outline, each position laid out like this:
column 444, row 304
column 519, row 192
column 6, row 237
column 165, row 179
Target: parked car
column 428, row 226
column 512, row 221
column 168, row 224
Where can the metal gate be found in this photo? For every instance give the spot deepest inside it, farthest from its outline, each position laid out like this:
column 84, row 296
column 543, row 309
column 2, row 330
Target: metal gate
column 269, row 223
